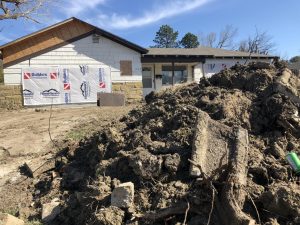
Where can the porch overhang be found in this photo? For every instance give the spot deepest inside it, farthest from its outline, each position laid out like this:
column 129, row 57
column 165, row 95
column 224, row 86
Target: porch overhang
column 173, row 58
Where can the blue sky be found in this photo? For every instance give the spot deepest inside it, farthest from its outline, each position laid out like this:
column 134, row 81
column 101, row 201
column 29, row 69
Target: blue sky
column 138, row 20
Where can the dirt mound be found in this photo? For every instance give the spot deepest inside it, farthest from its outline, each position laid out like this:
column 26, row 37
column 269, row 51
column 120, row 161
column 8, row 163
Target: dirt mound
column 152, row 145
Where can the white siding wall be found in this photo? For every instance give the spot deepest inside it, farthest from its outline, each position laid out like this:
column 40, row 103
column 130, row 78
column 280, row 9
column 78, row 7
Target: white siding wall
column 213, row 66
column 198, row 72
column 83, row 52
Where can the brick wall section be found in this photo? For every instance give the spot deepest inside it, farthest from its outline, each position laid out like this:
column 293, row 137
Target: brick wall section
column 133, row 91
column 10, row 96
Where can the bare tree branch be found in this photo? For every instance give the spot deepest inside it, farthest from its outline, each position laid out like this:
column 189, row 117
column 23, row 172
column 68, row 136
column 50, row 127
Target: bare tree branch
column 211, row 39
column 208, row 40
column 223, row 40
column 226, row 37
column 14, row 9
column 260, row 43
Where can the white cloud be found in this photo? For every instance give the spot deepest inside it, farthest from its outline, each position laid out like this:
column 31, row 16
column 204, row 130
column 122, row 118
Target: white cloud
column 4, row 38
column 170, row 9
column 74, row 7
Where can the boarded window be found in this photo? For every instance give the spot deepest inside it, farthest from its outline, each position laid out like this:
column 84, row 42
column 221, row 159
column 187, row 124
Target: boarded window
column 126, row 67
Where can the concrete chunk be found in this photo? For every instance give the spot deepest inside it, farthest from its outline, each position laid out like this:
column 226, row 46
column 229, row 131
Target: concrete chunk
column 7, row 219
column 213, row 144
column 51, row 210
column 122, row 196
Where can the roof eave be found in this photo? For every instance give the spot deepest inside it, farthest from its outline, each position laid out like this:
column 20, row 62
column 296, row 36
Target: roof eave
column 37, row 32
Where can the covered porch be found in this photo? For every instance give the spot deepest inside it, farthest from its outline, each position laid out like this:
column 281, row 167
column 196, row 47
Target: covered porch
column 161, row 72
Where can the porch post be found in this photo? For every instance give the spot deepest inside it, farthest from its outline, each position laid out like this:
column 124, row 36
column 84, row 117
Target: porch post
column 154, row 77
column 173, row 73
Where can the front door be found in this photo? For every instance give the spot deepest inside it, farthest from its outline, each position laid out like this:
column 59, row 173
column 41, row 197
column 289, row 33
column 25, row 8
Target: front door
column 147, row 80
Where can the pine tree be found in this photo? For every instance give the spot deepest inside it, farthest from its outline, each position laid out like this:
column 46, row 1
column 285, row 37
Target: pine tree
column 189, row 41
column 166, row 37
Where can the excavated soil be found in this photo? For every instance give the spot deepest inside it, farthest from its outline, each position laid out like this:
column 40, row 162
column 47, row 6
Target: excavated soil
column 151, row 147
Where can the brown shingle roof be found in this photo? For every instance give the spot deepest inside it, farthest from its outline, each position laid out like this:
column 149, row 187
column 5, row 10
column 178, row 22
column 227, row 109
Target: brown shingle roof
column 202, row 51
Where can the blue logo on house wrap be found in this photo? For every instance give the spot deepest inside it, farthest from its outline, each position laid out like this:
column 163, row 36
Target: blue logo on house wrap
column 39, row 75
column 27, row 93
column 84, row 69
column 51, row 93
column 66, row 77
column 85, row 89
column 67, row 98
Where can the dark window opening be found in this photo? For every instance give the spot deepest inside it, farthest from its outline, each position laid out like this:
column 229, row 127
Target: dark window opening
column 180, row 75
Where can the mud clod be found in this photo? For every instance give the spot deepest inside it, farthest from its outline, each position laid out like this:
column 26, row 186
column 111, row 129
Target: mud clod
column 110, row 216
column 172, row 162
column 283, row 200
column 145, row 164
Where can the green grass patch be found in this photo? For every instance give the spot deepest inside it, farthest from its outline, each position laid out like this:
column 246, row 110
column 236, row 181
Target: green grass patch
column 33, row 222
column 11, row 211
column 77, row 135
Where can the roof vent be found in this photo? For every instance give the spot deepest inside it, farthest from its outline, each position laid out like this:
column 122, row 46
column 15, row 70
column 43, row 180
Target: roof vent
column 96, row 38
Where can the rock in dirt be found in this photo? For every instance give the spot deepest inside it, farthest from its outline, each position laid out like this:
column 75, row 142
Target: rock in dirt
column 110, row 216
column 122, row 196
column 51, row 210
column 7, row 219
column 145, row 164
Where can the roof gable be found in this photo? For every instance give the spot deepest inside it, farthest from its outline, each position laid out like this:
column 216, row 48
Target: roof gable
column 55, row 36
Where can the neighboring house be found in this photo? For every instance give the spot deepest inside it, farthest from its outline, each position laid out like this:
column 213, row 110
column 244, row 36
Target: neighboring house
column 76, row 44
